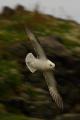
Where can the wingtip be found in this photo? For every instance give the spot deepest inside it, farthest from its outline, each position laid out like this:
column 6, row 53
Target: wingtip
column 30, row 34
column 27, row 30
column 60, row 104
column 57, row 98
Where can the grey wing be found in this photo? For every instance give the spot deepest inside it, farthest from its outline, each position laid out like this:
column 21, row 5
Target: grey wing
column 53, row 88
column 38, row 49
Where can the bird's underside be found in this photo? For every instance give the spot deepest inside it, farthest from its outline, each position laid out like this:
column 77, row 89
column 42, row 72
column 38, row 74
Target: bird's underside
column 51, row 83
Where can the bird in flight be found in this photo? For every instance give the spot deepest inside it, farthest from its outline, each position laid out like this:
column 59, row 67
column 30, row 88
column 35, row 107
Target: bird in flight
column 42, row 63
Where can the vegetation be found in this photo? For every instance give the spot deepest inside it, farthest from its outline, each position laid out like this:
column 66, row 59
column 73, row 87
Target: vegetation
column 24, row 94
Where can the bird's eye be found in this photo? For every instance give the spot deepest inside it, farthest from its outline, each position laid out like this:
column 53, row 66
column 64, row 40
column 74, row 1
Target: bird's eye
column 50, row 65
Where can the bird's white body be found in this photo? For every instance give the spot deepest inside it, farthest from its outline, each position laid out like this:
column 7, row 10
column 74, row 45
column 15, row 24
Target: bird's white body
column 38, row 64
column 43, row 64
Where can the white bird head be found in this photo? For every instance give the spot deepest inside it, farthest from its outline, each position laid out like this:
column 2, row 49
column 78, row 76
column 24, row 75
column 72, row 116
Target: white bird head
column 51, row 64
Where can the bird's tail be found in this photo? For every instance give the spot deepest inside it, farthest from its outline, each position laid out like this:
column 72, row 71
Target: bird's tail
column 29, row 60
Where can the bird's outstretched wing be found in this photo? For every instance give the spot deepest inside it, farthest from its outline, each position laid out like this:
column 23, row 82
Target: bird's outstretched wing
column 52, row 88
column 38, row 49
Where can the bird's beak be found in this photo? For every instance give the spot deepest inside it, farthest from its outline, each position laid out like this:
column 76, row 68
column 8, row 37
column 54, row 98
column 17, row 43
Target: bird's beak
column 53, row 69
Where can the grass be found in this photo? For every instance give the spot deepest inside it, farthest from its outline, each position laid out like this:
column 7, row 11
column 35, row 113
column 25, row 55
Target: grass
column 9, row 78
column 13, row 29
column 8, row 116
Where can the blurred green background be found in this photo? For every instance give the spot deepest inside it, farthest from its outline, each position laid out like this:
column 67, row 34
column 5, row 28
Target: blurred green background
column 25, row 96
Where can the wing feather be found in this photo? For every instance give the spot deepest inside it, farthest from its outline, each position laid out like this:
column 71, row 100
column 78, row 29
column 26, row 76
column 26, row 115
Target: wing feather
column 52, row 86
column 38, row 49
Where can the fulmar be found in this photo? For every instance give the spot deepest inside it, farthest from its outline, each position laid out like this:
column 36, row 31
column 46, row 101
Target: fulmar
column 42, row 63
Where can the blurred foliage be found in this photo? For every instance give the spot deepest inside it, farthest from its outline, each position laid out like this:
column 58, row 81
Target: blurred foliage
column 8, row 116
column 10, row 78
column 22, row 92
